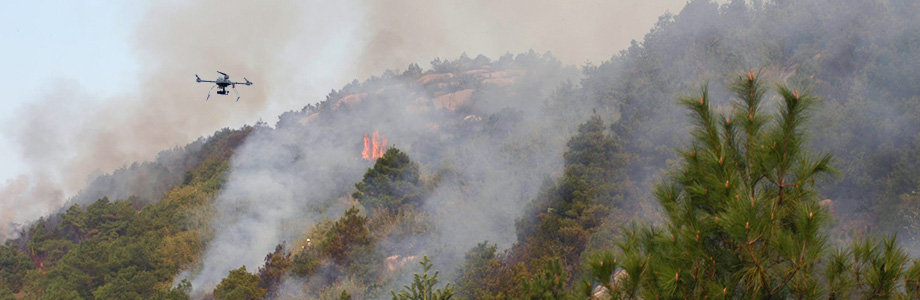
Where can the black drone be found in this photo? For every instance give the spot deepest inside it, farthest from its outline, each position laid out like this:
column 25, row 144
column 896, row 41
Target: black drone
column 222, row 82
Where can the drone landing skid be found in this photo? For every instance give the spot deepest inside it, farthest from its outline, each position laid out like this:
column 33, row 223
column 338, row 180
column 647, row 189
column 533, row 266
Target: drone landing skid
column 209, row 93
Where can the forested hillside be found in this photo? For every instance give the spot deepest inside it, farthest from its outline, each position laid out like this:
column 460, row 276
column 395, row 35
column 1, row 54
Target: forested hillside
column 752, row 149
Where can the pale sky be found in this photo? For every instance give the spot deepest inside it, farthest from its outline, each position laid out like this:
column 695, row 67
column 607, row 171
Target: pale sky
column 44, row 42
column 94, row 46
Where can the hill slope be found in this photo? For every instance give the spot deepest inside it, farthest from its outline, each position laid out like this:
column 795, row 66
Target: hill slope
column 493, row 143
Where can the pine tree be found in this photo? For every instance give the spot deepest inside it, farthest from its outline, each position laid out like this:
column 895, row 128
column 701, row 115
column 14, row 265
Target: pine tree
column 239, row 284
column 548, row 284
column 346, row 234
column 392, row 183
column 563, row 217
column 742, row 218
column 276, row 265
column 422, row 286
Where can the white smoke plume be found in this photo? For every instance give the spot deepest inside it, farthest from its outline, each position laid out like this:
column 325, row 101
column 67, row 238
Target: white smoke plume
column 291, row 50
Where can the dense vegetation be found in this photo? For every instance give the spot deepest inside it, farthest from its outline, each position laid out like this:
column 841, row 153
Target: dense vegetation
column 743, row 220
column 122, row 249
column 613, row 193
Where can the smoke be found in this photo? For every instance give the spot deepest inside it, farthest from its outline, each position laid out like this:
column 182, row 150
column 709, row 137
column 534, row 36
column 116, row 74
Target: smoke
column 283, row 179
column 396, row 33
column 290, row 50
column 66, row 135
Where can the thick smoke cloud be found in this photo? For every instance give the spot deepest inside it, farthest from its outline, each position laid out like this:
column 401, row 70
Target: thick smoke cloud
column 284, row 180
column 396, row 33
column 291, row 50
column 66, row 135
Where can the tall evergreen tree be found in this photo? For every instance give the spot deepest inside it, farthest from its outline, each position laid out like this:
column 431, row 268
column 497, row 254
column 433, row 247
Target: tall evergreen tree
column 346, row 234
column 392, row 183
column 742, row 218
column 422, row 286
column 276, row 265
column 741, row 215
column 565, row 214
column 239, row 284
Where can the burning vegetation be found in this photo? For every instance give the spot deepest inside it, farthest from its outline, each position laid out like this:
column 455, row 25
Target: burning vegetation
column 374, row 146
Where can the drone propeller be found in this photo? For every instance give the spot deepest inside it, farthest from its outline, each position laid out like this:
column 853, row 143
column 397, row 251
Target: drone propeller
column 247, row 81
column 225, row 74
column 237, row 93
column 197, row 79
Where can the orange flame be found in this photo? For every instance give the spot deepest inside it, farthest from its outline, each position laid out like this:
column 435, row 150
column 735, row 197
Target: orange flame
column 374, row 146
column 366, row 154
column 383, row 145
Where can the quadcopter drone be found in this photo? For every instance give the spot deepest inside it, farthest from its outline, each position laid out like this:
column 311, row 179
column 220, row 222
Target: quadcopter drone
column 222, row 82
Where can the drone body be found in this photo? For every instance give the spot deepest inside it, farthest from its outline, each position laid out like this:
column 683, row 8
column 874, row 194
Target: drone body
column 223, row 82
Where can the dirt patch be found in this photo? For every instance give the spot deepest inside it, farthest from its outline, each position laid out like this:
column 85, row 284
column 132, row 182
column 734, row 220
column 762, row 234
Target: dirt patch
column 350, row 100
column 453, row 100
column 435, row 77
column 504, row 81
column 306, row 120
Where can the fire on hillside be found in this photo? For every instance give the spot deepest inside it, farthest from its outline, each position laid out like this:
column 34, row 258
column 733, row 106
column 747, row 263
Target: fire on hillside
column 374, row 146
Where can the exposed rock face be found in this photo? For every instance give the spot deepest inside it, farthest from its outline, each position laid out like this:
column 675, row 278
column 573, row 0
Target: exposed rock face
column 394, row 262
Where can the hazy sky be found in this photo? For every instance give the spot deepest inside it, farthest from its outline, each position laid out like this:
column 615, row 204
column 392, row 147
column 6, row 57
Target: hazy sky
column 49, row 42
column 99, row 53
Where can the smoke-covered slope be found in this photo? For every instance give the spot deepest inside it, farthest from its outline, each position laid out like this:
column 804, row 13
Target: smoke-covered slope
column 488, row 137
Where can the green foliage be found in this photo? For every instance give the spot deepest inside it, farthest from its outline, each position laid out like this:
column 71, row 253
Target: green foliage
column 276, row 265
column 13, row 268
column 6, row 294
column 239, row 285
column 118, row 250
column 402, row 231
column 479, row 275
column 346, row 234
column 912, row 280
column 129, row 283
column 348, row 286
column 602, row 266
column 562, row 219
column 872, row 269
column 365, row 263
column 304, row 263
column 741, row 213
column 547, row 285
column 392, row 183
column 180, row 292
column 422, row 286
column 742, row 218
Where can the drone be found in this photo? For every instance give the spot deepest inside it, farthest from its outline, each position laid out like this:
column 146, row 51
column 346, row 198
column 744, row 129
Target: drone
column 222, row 82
